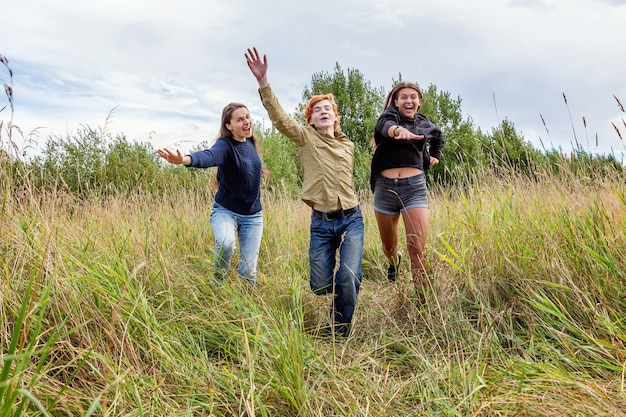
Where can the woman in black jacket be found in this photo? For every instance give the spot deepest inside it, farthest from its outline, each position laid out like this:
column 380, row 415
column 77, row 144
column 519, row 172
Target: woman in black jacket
column 406, row 145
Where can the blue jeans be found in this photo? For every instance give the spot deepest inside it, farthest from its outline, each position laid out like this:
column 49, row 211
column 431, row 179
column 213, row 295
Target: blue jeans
column 327, row 236
column 228, row 227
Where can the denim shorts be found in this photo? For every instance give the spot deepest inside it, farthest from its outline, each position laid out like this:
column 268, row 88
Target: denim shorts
column 395, row 195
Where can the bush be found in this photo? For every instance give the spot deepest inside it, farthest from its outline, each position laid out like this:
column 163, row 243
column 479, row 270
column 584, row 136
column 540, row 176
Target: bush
column 280, row 156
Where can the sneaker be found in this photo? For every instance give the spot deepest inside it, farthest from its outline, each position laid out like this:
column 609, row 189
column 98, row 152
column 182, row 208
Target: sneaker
column 336, row 331
column 392, row 271
column 342, row 330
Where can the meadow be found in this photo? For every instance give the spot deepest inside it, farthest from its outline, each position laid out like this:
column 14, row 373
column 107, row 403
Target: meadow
column 108, row 308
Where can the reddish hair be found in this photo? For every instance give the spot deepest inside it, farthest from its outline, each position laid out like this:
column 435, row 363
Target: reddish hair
column 308, row 110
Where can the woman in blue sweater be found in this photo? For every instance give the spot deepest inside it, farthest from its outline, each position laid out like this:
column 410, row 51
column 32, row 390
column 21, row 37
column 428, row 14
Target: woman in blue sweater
column 236, row 213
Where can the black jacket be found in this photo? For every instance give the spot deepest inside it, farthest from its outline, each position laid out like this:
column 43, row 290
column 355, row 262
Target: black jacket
column 395, row 153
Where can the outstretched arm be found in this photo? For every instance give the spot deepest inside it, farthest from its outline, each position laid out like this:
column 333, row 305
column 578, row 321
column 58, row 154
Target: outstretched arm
column 399, row 132
column 285, row 124
column 388, row 126
column 258, row 67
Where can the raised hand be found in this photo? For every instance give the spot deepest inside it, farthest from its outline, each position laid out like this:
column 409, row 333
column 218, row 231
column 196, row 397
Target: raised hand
column 257, row 66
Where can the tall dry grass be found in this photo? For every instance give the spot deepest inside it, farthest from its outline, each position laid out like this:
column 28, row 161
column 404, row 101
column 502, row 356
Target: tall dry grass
column 108, row 308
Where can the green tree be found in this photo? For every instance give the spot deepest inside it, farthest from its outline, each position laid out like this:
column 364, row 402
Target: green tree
column 131, row 166
column 509, row 150
column 280, row 157
column 89, row 164
column 462, row 151
column 75, row 163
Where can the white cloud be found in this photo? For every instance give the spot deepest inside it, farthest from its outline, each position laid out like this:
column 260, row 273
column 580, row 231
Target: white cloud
column 167, row 69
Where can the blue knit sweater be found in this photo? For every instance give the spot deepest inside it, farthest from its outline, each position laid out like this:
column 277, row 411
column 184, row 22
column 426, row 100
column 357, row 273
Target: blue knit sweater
column 238, row 173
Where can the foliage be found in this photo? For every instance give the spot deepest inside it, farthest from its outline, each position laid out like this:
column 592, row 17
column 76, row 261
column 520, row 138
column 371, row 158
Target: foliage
column 463, row 150
column 509, row 150
column 131, row 166
column 280, row 157
column 581, row 163
column 76, row 162
column 90, row 164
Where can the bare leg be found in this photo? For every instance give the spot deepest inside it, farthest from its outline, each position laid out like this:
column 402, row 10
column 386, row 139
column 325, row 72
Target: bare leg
column 416, row 224
column 388, row 230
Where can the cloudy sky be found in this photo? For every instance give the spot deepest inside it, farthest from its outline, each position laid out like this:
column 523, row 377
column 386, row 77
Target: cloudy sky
column 162, row 71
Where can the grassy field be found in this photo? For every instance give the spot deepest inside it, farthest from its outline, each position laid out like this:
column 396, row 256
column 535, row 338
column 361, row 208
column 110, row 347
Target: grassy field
column 109, row 309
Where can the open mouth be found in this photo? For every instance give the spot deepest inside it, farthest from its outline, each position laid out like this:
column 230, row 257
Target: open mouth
column 408, row 109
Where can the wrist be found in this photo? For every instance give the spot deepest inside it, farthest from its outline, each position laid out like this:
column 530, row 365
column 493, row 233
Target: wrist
column 263, row 81
column 395, row 131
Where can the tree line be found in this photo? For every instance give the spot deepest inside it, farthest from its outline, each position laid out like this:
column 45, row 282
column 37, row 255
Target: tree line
column 91, row 163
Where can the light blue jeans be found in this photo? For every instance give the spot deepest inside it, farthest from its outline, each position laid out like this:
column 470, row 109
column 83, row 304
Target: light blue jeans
column 228, row 228
column 344, row 234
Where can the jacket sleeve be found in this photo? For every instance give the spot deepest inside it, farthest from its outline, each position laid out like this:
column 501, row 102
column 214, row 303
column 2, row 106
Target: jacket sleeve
column 436, row 144
column 283, row 122
column 386, row 119
column 432, row 133
column 215, row 156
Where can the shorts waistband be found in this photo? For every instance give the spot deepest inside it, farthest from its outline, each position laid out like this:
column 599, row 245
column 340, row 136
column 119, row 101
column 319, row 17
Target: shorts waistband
column 335, row 215
column 397, row 181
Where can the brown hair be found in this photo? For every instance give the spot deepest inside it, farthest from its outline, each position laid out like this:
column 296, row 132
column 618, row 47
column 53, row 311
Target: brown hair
column 227, row 115
column 393, row 94
column 308, row 110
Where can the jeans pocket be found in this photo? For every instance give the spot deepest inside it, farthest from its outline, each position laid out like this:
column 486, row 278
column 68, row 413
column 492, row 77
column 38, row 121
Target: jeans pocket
column 417, row 182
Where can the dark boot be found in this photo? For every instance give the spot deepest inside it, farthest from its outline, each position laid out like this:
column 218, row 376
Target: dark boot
column 392, row 271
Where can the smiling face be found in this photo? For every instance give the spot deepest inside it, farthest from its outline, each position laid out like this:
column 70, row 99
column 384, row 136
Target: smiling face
column 321, row 113
column 240, row 124
column 408, row 102
column 323, row 116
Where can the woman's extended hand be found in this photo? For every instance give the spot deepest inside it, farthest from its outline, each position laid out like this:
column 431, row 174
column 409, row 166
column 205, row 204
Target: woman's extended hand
column 173, row 157
column 405, row 134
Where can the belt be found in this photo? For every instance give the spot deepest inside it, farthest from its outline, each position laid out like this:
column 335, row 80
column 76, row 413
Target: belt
column 396, row 181
column 335, row 215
